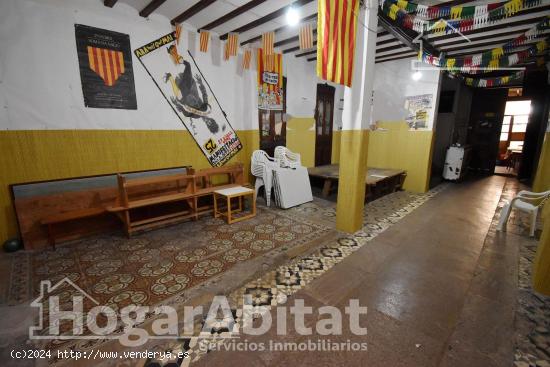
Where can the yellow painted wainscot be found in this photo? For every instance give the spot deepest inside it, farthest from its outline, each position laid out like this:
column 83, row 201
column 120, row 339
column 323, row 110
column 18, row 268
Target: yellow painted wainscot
column 398, row 147
column 542, row 177
column 35, row 155
column 300, row 138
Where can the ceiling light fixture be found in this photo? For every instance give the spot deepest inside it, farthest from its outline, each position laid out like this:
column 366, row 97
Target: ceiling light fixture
column 292, row 17
column 416, row 76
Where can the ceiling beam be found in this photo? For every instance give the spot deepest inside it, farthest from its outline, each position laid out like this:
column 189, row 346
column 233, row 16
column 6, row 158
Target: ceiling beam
column 257, row 38
column 109, row 3
column 398, row 57
column 267, row 18
column 312, row 59
column 199, row 6
column 151, row 7
column 232, row 14
column 307, row 53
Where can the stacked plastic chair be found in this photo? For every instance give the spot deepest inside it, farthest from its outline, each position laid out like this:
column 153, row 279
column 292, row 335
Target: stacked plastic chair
column 262, row 168
column 287, row 158
column 527, row 202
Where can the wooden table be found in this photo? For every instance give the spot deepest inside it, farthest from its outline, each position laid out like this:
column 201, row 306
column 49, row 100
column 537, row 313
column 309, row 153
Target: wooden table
column 239, row 192
column 378, row 180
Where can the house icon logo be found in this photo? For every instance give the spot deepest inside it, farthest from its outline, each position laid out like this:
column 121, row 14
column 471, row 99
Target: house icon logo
column 49, row 295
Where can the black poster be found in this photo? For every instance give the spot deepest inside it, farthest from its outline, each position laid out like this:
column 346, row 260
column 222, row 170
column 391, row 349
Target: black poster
column 105, row 61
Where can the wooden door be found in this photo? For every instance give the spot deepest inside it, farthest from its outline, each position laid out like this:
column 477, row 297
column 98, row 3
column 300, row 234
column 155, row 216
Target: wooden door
column 273, row 127
column 324, row 112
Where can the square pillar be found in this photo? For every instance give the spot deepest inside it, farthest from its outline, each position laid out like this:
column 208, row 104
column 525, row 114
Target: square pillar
column 355, row 124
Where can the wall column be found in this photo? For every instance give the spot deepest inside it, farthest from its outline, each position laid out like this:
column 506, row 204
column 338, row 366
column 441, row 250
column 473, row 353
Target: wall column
column 355, row 123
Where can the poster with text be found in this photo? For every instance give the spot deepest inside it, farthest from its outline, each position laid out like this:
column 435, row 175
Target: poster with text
column 270, row 81
column 418, row 108
column 105, row 61
column 184, row 87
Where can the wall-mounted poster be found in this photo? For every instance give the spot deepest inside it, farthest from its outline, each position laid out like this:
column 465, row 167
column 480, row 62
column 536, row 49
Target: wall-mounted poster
column 270, row 81
column 418, row 108
column 105, row 60
column 186, row 90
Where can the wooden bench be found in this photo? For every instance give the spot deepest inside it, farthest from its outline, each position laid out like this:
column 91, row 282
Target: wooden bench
column 51, row 220
column 182, row 188
column 379, row 181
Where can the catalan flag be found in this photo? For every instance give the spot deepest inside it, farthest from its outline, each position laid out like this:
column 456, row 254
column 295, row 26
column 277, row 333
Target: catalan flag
column 178, row 33
column 204, row 41
column 336, row 31
column 306, row 36
column 267, row 43
column 108, row 64
column 232, row 44
column 246, row 58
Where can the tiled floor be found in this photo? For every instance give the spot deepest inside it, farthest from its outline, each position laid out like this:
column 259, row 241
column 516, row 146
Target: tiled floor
column 425, row 282
column 440, row 284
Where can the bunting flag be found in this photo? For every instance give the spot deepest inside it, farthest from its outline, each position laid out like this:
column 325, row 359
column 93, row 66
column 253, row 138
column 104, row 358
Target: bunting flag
column 495, row 58
column 270, row 81
column 204, row 41
column 502, row 8
column 226, row 51
column 336, row 31
column 178, row 33
column 495, row 82
column 268, row 39
column 247, row 56
column 305, row 36
column 232, row 44
column 429, row 19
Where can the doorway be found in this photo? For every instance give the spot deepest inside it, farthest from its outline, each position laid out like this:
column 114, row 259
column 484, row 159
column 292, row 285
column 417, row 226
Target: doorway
column 273, row 126
column 512, row 136
column 324, row 112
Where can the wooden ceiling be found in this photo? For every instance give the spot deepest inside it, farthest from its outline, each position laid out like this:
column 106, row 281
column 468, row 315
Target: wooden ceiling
column 251, row 18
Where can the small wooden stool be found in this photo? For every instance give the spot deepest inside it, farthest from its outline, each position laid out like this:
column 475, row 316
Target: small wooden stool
column 230, row 193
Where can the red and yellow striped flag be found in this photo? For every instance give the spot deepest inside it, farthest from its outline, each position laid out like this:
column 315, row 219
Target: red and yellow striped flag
column 267, row 43
column 204, row 41
column 178, row 33
column 306, row 36
column 225, row 52
column 232, row 44
column 336, row 31
column 246, row 58
column 270, row 63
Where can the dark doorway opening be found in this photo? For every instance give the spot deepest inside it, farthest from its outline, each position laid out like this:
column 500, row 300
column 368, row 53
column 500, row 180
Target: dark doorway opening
column 324, row 112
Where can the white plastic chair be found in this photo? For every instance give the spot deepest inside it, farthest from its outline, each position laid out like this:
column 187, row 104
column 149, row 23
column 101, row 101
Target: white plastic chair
column 262, row 168
column 287, row 158
column 526, row 201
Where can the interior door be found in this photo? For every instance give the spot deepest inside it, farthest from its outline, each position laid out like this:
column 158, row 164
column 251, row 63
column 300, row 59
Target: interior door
column 273, row 127
column 324, row 112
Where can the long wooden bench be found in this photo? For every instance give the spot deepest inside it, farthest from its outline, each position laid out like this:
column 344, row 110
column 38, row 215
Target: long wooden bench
column 53, row 220
column 135, row 193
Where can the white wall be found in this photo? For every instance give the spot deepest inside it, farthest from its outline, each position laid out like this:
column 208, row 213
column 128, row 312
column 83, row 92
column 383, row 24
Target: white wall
column 393, row 82
column 40, row 84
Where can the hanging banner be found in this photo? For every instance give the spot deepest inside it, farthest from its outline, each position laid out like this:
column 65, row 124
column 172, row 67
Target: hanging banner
column 105, row 61
column 184, row 87
column 270, row 81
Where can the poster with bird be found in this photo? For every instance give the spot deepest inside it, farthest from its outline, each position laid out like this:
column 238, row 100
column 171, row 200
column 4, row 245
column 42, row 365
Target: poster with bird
column 185, row 88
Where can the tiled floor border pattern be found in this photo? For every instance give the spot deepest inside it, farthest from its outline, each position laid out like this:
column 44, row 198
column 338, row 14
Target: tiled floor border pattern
column 277, row 285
